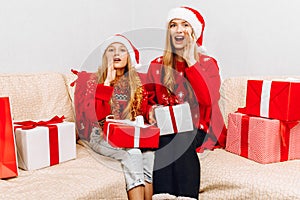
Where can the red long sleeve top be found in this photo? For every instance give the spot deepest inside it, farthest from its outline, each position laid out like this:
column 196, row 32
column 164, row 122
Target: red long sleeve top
column 205, row 81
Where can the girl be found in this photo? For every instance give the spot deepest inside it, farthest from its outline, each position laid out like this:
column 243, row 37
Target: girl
column 191, row 77
column 119, row 93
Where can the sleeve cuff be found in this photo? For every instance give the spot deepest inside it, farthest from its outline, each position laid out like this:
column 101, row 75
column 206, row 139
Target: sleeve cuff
column 104, row 92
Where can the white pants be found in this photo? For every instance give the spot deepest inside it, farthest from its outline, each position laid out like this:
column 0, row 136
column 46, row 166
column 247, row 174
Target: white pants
column 137, row 165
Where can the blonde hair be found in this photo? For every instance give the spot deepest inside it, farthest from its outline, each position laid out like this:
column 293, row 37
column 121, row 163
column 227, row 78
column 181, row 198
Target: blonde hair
column 136, row 91
column 169, row 64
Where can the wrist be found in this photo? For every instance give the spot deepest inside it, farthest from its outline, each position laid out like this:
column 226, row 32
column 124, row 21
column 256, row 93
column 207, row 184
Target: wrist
column 106, row 83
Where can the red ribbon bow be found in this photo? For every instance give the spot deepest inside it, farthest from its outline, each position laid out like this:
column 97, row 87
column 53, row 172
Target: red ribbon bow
column 25, row 125
column 169, row 100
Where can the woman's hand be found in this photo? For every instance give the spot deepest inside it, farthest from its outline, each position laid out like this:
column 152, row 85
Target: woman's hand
column 111, row 73
column 189, row 49
column 152, row 119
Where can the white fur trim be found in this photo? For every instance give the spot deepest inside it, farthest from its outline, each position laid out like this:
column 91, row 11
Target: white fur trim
column 202, row 50
column 163, row 196
column 189, row 16
column 138, row 66
column 122, row 40
column 185, row 198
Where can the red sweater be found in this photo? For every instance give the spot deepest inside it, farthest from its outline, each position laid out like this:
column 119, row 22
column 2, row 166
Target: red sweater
column 205, row 80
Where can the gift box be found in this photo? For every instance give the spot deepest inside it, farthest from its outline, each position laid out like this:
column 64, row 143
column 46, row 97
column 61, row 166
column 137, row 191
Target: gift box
column 273, row 99
column 8, row 155
column 174, row 119
column 263, row 140
column 42, row 144
column 127, row 134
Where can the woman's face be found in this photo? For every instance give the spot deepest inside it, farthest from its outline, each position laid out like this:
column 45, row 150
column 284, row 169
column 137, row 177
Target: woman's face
column 117, row 54
column 180, row 30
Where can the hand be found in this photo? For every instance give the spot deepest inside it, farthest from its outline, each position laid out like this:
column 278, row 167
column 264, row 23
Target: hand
column 111, row 73
column 189, row 49
column 152, row 119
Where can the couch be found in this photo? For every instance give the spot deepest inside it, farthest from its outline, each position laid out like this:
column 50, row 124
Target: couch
column 91, row 176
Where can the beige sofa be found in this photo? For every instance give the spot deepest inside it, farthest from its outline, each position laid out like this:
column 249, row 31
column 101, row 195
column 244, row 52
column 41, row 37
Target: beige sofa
column 92, row 176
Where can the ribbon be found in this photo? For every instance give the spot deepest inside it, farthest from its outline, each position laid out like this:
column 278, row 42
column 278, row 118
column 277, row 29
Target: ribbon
column 244, row 135
column 76, row 73
column 285, row 129
column 169, row 99
column 53, row 134
column 265, row 98
column 173, row 119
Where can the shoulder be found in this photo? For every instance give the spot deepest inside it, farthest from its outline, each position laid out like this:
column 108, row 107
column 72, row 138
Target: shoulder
column 156, row 64
column 157, row 60
column 206, row 59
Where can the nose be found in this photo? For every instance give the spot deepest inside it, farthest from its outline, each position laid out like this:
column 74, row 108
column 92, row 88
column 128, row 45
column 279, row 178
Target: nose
column 116, row 53
column 180, row 28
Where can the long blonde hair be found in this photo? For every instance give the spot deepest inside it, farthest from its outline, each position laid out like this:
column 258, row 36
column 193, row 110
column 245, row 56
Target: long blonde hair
column 169, row 64
column 136, row 91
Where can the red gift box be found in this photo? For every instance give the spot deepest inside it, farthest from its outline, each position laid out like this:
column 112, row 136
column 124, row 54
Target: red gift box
column 273, row 99
column 263, row 140
column 123, row 135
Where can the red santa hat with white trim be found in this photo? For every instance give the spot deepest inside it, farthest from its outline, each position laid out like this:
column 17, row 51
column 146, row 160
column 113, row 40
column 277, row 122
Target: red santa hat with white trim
column 194, row 18
column 132, row 50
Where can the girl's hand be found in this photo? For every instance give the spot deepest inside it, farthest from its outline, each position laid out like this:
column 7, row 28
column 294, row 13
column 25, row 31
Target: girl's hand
column 189, row 49
column 111, row 73
column 152, row 119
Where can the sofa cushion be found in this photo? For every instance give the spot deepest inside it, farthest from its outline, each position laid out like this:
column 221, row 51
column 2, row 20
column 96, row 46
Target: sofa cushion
column 37, row 96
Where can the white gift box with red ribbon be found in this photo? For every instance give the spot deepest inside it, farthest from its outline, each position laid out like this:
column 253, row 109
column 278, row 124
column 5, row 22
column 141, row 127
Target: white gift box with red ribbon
column 44, row 146
column 174, row 119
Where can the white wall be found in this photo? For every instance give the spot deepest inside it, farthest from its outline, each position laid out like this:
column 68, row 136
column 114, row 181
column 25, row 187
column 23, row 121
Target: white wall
column 248, row 37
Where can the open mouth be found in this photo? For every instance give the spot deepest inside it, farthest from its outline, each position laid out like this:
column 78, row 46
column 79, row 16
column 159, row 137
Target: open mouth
column 117, row 59
column 179, row 38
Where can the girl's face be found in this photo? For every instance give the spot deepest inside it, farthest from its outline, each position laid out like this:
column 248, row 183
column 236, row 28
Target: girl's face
column 117, row 54
column 180, row 31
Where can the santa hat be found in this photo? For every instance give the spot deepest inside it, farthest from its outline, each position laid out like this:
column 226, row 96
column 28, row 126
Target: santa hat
column 193, row 17
column 133, row 52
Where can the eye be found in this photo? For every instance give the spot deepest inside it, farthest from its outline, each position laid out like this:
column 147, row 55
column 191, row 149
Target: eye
column 186, row 25
column 123, row 50
column 172, row 25
column 110, row 49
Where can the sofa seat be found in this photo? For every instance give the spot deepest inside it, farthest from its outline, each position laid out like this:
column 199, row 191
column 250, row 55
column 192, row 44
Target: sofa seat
column 89, row 176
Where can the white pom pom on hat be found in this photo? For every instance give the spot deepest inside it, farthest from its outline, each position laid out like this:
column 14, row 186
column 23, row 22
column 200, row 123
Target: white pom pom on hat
column 132, row 50
column 193, row 17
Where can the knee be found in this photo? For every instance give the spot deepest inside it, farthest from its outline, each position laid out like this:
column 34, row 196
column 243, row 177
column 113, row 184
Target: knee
column 134, row 152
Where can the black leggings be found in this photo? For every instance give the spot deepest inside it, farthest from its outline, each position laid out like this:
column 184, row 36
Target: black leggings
column 176, row 165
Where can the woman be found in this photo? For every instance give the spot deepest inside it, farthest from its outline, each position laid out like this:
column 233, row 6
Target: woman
column 119, row 93
column 194, row 78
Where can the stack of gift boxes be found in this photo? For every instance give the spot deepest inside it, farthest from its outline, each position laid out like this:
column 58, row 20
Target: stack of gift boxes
column 267, row 129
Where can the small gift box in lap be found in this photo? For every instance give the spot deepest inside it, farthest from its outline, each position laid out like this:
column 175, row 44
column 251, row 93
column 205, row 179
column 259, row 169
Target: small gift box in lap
column 277, row 99
column 45, row 143
column 130, row 134
column 261, row 139
column 174, row 119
